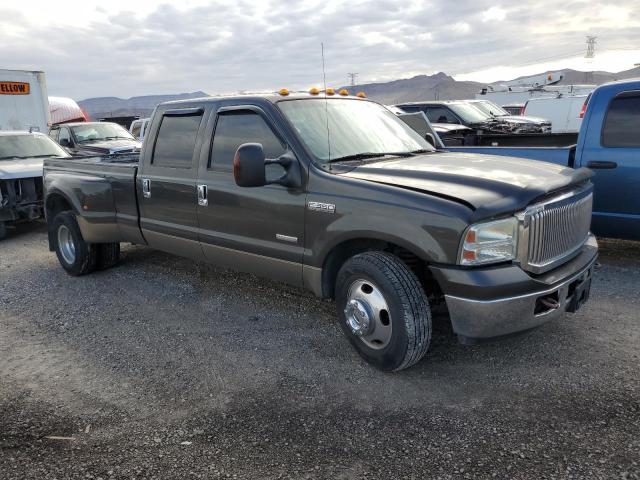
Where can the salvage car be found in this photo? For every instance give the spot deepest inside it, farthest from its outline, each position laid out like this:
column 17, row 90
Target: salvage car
column 608, row 144
column 465, row 113
column 21, row 157
column 94, row 138
column 500, row 113
column 337, row 195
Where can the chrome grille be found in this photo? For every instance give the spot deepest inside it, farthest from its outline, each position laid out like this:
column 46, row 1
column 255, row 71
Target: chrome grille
column 557, row 229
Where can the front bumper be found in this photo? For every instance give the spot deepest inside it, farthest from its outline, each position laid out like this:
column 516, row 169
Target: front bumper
column 497, row 301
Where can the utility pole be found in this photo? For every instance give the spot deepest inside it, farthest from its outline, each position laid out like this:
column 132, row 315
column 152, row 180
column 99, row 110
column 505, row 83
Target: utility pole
column 353, row 76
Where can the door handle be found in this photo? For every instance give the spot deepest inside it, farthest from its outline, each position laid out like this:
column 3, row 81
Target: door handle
column 203, row 199
column 603, row 165
column 146, row 188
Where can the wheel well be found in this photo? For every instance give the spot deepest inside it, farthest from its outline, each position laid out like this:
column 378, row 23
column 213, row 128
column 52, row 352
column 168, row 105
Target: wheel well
column 55, row 204
column 342, row 252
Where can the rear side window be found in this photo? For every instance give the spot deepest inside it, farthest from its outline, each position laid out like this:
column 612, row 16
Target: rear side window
column 235, row 128
column 622, row 124
column 176, row 141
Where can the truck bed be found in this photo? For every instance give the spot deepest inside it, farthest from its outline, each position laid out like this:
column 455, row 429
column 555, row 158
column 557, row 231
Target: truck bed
column 104, row 189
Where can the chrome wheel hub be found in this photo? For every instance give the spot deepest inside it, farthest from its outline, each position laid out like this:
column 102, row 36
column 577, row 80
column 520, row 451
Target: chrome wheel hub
column 367, row 314
column 66, row 245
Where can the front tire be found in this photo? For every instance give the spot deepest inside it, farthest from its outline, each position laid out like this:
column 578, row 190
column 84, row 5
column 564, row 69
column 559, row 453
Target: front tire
column 383, row 310
column 76, row 256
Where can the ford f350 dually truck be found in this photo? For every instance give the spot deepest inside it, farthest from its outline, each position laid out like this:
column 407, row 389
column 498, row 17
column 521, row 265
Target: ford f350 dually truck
column 335, row 194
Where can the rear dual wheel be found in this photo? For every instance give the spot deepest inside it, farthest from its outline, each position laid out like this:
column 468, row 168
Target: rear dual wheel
column 75, row 255
column 383, row 310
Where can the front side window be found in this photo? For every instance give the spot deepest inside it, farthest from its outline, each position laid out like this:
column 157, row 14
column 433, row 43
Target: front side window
column 235, row 128
column 622, row 124
column 176, row 141
column 65, row 137
column 440, row 115
column 355, row 128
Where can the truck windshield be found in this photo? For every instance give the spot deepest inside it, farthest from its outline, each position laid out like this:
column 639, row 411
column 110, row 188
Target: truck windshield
column 29, row 146
column 347, row 128
column 468, row 113
column 490, row 108
column 92, row 132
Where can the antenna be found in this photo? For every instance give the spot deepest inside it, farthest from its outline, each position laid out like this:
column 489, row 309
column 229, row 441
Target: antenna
column 326, row 104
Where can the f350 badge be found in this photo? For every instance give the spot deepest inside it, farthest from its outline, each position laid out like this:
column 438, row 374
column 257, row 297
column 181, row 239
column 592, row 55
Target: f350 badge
column 321, row 207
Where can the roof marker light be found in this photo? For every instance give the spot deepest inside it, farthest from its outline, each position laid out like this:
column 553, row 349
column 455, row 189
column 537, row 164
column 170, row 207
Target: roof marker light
column 284, row 92
column 344, row 92
column 330, row 91
column 361, row 95
column 314, row 91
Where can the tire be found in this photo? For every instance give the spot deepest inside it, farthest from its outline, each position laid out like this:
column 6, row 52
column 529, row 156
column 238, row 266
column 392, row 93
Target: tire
column 81, row 257
column 108, row 255
column 379, row 282
column 3, row 230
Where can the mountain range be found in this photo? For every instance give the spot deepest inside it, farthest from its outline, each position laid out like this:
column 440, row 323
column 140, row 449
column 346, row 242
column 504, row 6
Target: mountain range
column 422, row 87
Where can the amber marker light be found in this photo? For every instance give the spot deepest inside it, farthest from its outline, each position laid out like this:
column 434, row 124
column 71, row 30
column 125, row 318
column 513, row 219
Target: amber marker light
column 314, row 91
column 284, row 92
column 330, row 91
column 361, row 95
column 344, row 92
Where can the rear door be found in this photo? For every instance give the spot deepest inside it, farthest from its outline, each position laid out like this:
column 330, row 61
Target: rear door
column 614, row 157
column 166, row 184
column 257, row 230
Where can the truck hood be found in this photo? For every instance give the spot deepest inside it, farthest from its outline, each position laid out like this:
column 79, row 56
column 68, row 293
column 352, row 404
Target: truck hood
column 23, row 168
column 488, row 184
column 111, row 146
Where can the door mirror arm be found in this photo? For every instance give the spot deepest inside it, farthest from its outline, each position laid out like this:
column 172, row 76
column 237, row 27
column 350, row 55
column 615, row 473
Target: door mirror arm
column 293, row 176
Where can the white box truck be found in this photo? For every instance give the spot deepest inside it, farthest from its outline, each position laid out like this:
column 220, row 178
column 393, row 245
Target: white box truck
column 23, row 101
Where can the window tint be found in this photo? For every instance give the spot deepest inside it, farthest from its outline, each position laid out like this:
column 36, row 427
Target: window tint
column 622, row 125
column 64, row 135
column 411, row 109
column 176, row 141
column 440, row 115
column 234, row 129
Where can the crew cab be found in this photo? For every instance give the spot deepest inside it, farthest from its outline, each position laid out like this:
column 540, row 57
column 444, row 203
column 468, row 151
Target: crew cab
column 21, row 193
column 337, row 195
column 609, row 145
column 94, row 138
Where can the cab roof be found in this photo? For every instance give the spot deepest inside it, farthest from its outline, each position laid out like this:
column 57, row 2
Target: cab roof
column 272, row 97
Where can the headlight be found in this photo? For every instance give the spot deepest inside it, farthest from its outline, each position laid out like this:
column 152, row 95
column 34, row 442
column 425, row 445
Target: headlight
column 490, row 242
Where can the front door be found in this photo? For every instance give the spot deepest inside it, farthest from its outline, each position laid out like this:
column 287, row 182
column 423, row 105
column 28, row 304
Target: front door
column 614, row 158
column 257, row 230
column 167, row 183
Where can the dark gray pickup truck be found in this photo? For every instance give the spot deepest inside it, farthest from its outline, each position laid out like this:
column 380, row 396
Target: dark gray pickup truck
column 335, row 194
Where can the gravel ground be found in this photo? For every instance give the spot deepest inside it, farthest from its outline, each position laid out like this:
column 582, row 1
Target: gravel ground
column 166, row 368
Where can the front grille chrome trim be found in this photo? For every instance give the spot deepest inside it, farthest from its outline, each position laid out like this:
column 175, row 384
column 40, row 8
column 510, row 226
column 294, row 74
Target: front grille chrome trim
column 552, row 232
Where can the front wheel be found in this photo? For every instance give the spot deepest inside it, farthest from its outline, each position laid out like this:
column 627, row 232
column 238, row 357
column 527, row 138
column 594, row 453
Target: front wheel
column 76, row 256
column 383, row 310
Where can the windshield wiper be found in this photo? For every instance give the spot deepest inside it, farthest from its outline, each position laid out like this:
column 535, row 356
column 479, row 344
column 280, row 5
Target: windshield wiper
column 365, row 155
column 25, row 157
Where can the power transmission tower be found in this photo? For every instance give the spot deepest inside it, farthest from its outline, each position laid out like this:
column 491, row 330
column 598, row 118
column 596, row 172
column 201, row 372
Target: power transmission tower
column 591, row 52
column 353, row 76
column 591, row 46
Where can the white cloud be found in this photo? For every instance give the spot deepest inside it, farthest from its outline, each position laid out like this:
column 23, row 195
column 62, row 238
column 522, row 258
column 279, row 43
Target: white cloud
column 126, row 48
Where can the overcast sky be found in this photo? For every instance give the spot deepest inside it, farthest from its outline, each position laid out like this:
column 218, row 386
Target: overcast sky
column 140, row 47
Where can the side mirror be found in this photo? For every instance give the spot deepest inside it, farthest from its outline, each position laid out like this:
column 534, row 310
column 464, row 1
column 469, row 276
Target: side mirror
column 429, row 138
column 249, row 167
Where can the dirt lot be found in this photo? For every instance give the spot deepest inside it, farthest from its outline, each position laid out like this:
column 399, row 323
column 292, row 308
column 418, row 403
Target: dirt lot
column 165, row 368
